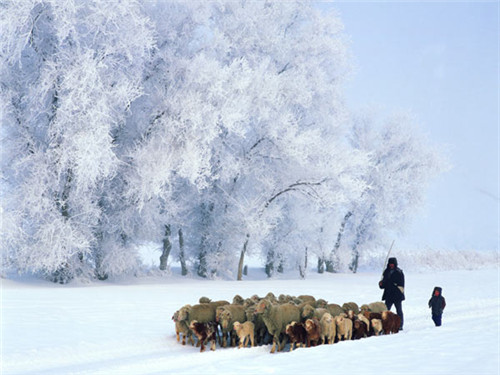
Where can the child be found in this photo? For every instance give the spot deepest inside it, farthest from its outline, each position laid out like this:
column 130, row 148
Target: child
column 437, row 303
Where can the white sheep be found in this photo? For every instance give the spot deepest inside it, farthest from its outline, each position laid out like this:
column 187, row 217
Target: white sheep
column 328, row 328
column 377, row 326
column 243, row 331
column 344, row 327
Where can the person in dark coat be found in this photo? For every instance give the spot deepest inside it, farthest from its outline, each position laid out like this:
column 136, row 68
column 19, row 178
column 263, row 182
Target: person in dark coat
column 393, row 283
column 437, row 303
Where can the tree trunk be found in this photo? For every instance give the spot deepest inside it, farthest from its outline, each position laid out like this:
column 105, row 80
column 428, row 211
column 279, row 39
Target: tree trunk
column 270, row 263
column 331, row 265
column 182, row 256
column 303, row 268
column 167, row 246
column 360, row 231
column 206, row 211
column 281, row 267
column 64, row 274
column 242, row 258
column 321, row 264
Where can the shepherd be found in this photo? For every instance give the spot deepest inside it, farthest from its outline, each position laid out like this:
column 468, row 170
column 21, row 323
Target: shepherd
column 393, row 283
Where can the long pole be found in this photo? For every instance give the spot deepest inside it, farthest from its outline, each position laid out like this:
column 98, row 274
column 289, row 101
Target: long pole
column 387, row 257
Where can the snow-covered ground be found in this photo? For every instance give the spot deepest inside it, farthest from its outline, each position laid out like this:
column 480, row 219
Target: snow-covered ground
column 125, row 327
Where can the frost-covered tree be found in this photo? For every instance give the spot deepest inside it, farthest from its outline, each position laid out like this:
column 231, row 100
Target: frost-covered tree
column 403, row 162
column 69, row 72
column 288, row 140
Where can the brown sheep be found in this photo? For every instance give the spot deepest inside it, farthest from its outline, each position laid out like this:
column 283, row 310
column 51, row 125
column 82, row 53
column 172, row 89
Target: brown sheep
column 297, row 333
column 244, row 330
column 313, row 330
column 344, row 327
column 359, row 330
column 204, row 331
column 376, row 326
column 276, row 318
column 328, row 329
column 390, row 322
column 370, row 315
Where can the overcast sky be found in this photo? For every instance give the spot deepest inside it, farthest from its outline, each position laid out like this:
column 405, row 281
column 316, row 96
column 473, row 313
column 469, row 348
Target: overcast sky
column 441, row 62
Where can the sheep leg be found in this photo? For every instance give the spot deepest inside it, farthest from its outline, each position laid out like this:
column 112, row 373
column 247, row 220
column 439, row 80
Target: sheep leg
column 201, row 341
column 214, row 339
column 282, row 343
column 273, row 349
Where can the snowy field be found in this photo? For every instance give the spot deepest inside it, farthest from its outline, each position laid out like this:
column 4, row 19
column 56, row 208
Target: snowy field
column 125, row 327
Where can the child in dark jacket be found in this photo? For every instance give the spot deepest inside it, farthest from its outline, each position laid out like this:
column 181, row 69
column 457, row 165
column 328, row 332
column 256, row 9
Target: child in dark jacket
column 437, row 303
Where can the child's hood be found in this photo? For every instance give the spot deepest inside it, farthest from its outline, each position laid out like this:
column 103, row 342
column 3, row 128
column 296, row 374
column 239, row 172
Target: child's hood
column 439, row 289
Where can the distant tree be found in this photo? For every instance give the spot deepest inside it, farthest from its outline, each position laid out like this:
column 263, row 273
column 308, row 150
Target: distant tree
column 403, row 164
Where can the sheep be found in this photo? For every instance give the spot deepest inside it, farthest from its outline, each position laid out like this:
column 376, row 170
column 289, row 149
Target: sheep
column 328, row 328
column 244, row 330
column 307, row 298
column 321, row 303
column 202, row 313
column 313, row 330
column 376, row 325
column 297, row 333
column 364, row 319
column 390, row 322
column 259, row 325
column 309, row 311
column 350, row 306
column 344, row 327
column 371, row 315
column 376, row 307
column 271, row 297
column 228, row 315
column 276, row 318
column 334, row 309
column 359, row 329
column 204, row 331
column 238, row 300
column 182, row 327
column 282, row 299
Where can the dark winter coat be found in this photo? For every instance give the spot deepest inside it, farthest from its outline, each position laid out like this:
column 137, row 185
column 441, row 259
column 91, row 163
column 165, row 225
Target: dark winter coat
column 437, row 303
column 393, row 282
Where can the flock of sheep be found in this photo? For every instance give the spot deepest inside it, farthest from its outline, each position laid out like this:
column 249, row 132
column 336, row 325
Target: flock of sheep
column 303, row 321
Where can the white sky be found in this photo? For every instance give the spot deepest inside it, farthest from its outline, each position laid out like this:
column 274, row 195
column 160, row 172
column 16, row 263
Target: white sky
column 441, row 62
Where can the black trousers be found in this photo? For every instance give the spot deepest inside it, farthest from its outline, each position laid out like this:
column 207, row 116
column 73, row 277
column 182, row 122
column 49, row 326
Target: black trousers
column 437, row 319
column 399, row 309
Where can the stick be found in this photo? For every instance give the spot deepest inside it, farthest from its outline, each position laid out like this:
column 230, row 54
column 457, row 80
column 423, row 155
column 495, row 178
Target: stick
column 387, row 257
